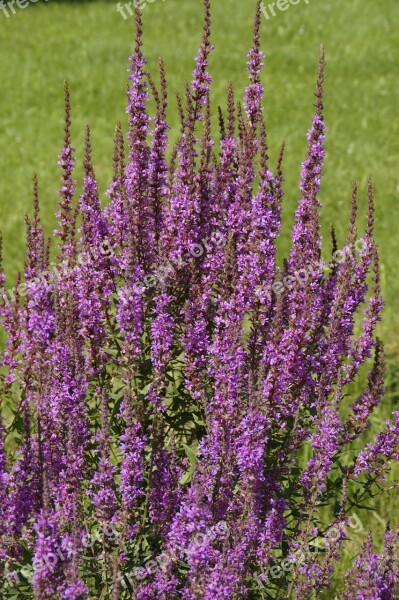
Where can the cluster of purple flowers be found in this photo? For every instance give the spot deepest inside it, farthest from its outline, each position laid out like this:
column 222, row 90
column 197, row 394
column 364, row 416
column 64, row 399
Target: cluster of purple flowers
column 197, row 424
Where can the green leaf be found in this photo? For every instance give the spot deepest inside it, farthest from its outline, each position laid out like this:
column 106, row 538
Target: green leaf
column 191, row 454
column 192, row 457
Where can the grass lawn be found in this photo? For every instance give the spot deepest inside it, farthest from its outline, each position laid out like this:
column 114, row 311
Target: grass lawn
column 88, row 43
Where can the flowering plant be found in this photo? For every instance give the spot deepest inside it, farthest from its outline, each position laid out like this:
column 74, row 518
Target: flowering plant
column 174, row 412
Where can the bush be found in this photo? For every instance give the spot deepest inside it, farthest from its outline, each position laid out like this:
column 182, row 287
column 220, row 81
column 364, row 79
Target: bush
column 175, row 412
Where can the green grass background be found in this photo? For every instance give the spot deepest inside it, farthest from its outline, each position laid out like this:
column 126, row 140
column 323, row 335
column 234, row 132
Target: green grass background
column 88, row 43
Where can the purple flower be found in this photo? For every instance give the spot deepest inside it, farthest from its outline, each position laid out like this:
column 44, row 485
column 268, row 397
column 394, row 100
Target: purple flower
column 374, row 575
column 49, row 559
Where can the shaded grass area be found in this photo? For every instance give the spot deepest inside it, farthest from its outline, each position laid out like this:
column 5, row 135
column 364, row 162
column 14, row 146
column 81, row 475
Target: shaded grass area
column 88, row 44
